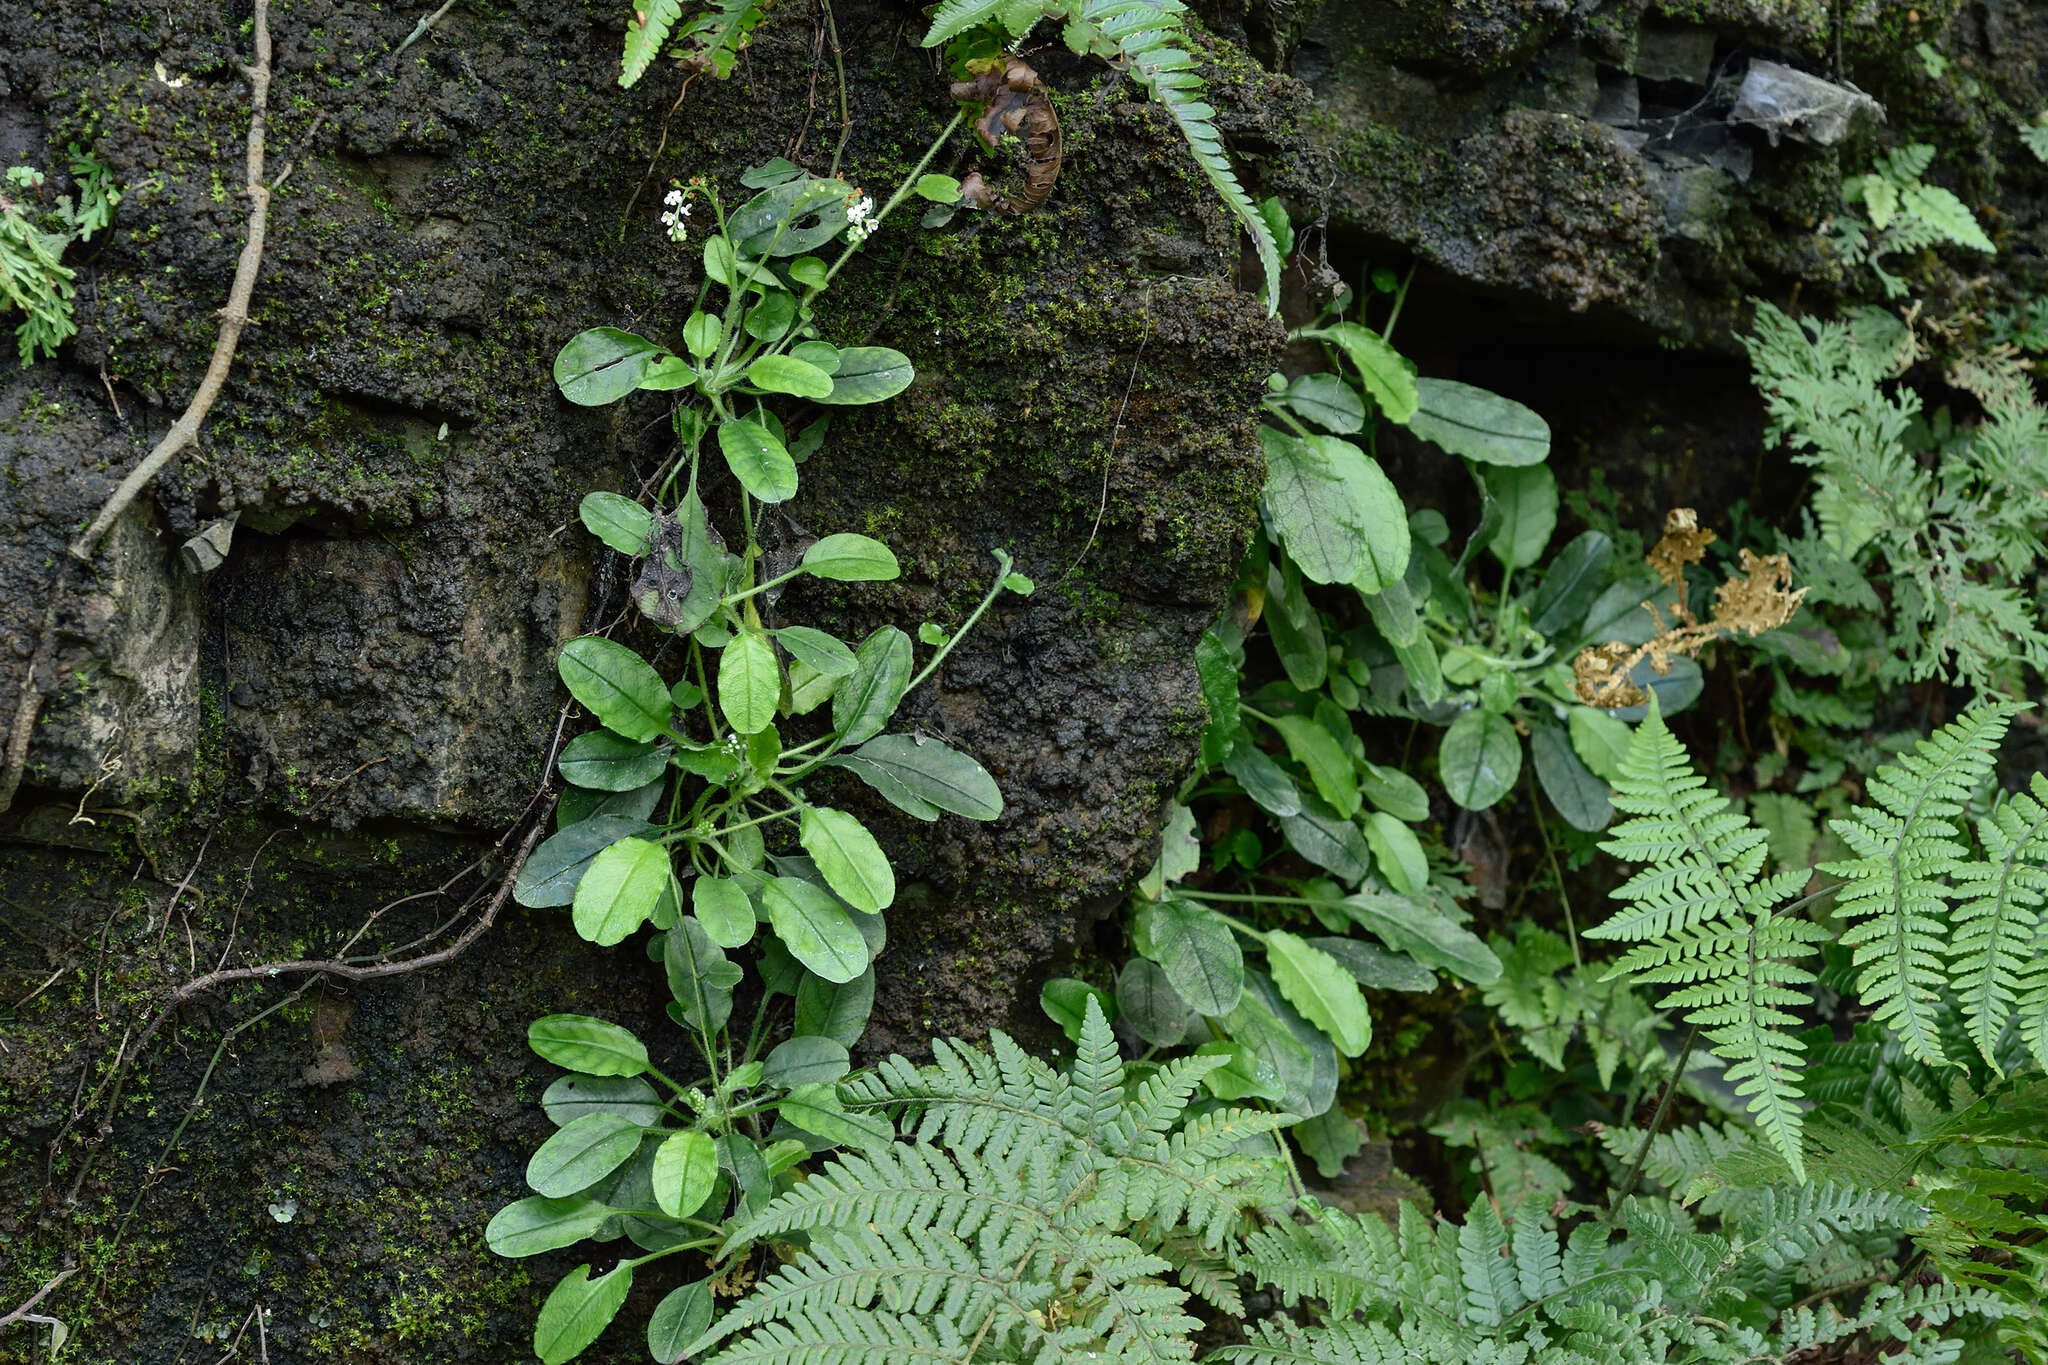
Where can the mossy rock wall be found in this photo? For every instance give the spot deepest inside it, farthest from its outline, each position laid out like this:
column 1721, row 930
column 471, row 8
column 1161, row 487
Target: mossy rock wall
column 246, row 765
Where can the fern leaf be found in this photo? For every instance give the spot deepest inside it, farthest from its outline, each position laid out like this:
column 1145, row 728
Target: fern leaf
column 645, row 34
column 1492, row 1293
column 1945, row 215
column 1906, row 845
column 1992, row 958
column 1341, row 1343
column 955, row 17
column 1703, row 922
column 1786, row 1226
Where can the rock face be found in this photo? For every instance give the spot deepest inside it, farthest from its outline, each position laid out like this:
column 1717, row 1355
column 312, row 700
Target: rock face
column 264, row 752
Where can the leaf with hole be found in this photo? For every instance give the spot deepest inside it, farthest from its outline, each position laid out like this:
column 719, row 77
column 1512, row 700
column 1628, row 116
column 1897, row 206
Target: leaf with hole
column 572, row 1097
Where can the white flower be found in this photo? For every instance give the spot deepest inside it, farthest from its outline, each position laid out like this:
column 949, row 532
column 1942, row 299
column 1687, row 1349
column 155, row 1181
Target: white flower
column 673, row 218
column 860, row 219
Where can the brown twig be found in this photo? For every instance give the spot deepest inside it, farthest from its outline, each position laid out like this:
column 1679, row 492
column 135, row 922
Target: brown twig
column 183, row 432
column 233, row 318
column 26, row 1312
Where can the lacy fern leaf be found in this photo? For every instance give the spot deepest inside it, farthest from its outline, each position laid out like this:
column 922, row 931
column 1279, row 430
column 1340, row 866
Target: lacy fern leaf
column 710, row 42
column 1701, row 915
column 1907, row 844
column 1022, row 1220
column 1992, row 958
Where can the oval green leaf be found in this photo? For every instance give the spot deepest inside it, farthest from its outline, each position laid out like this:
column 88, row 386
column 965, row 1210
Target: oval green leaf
column 1316, row 984
column 1329, row 766
column 618, row 521
column 1580, row 797
column 685, row 1169
column 1527, row 498
column 818, row 931
column 749, row 682
column 848, row 858
column 573, row 1097
column 1480, row 759
column 582, row 1153
column 1147, row 1001
column 616, row 685
column 825, row 655
column 724, row 910
column 866, row 700
column 929, row 769
column 786, row 374
column 620, row 890
column 757, row 459
column 606, row 762
column 806, row 1060
column 1385, row 374
column 1478, row 425
column 869, row 374
column 1397, row 852
column 849, row 558
column 534, row 1225
column 1198, row 952
column 578, row 1311
column 591, row 1046
column 679, row 1319
column 602, row 365
column 551, row 874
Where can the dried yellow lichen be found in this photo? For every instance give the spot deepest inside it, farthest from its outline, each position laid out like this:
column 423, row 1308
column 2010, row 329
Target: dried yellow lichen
column 1759, row 598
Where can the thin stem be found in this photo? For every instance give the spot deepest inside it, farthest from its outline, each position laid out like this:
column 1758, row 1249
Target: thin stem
column 1003, row 563
column 839, row 66
column 1635, row 1170
column 1564, row 899
column 1400, row 298
column 902, row 192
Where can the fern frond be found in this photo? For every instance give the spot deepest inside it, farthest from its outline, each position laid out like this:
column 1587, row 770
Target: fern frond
column 1785, row 1226
column 1703, row 921
column 1020, row 1221
column 955, row 17
column 1906, row 845
column 1341, row 1343
column 1703, row 854
column 1992, row 958
column 645, row 33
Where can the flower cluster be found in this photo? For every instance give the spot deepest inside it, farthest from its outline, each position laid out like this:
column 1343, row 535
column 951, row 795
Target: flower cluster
column 860, row 219
column 675, row 210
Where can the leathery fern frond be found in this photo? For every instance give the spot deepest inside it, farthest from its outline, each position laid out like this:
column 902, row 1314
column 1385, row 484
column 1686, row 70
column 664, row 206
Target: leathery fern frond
column 1150, row 38
column 1702, row 919
column 1993, row 960
column 1019, row 1221
column 1907, row 843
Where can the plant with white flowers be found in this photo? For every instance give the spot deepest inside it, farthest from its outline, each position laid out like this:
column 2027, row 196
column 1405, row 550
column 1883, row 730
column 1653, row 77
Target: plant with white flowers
column 699, row 805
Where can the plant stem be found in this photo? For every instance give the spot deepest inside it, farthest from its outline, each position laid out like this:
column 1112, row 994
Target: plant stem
column 1564, row 899
column 902, row 192
column 995, row 590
